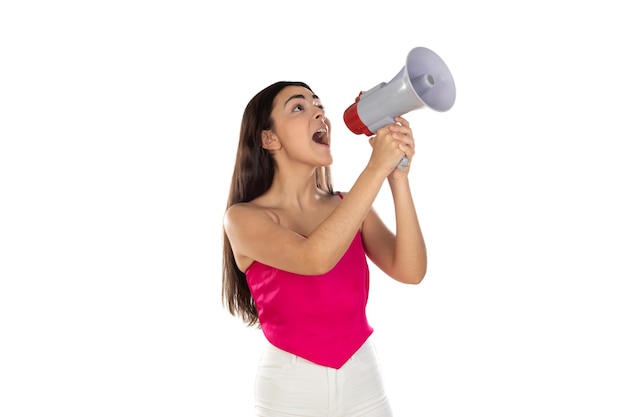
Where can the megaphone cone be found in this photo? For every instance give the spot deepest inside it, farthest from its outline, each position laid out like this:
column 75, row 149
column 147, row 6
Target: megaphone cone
column 424, row 81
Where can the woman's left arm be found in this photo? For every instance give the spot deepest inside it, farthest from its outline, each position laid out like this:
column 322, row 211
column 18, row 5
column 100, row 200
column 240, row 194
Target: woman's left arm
column 401, row 255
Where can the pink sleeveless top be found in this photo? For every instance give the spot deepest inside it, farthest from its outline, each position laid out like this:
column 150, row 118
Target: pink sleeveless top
column 317, row 317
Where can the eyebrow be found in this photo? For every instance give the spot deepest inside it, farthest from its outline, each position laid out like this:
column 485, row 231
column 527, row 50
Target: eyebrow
column 301, row 96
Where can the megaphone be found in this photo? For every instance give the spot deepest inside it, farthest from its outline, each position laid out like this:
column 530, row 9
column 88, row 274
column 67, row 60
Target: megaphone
column 424, row 81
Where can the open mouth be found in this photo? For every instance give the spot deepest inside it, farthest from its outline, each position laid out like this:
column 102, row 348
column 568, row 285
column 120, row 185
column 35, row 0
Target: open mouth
column 321, row 137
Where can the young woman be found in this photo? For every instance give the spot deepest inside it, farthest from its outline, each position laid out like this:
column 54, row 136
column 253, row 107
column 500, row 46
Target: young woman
column 295, row 254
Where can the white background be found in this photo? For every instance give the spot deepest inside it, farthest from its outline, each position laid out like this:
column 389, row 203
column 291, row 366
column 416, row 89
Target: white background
column 119, row 122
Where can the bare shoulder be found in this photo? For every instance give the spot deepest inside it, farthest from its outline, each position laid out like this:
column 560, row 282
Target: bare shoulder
column 246, row 226
column 243, row 214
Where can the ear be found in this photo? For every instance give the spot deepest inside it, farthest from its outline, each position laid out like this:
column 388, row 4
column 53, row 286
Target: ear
column 269, row 140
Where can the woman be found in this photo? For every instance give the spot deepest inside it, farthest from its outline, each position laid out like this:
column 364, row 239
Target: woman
column 295, row 254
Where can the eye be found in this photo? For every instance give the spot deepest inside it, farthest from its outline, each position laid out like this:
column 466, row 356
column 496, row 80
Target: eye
column 298, row 108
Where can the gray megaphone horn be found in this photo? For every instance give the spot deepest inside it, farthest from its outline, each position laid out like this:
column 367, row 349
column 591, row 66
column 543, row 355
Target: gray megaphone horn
column 424, row 81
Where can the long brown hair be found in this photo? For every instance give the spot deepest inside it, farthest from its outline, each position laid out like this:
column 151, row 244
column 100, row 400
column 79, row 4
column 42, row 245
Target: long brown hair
column 252, row 176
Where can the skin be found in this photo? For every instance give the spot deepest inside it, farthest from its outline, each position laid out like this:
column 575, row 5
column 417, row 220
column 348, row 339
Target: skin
column 297, row 228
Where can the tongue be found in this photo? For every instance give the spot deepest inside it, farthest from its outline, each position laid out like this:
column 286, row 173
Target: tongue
column 318, row 137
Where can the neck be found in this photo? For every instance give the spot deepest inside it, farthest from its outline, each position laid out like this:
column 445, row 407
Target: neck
column 294, row 189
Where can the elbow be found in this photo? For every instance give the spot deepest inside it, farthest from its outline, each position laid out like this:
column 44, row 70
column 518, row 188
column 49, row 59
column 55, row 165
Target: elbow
column 419, row 272
column 411, row 269
column 315, row 265
column 416, row 279
column 413, row 277
column 319, row 261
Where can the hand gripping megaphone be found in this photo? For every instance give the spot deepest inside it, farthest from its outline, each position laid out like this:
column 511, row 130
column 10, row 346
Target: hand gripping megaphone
column 424, row 81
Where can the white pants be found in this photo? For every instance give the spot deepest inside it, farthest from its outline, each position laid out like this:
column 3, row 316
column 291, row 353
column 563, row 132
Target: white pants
column 287, row 386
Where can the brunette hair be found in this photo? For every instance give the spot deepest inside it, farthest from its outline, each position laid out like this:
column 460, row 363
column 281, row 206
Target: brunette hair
column 252, row 176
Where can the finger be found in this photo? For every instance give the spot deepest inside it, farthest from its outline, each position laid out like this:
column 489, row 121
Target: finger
column 406, row 139
column 405, row 130
column 404, row 122
column 407, row 149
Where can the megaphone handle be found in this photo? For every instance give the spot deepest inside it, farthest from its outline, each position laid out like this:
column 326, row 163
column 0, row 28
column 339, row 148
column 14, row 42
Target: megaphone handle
column 404, row 162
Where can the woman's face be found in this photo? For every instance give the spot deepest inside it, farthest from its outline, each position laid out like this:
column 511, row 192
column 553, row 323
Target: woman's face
column 300, row 126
